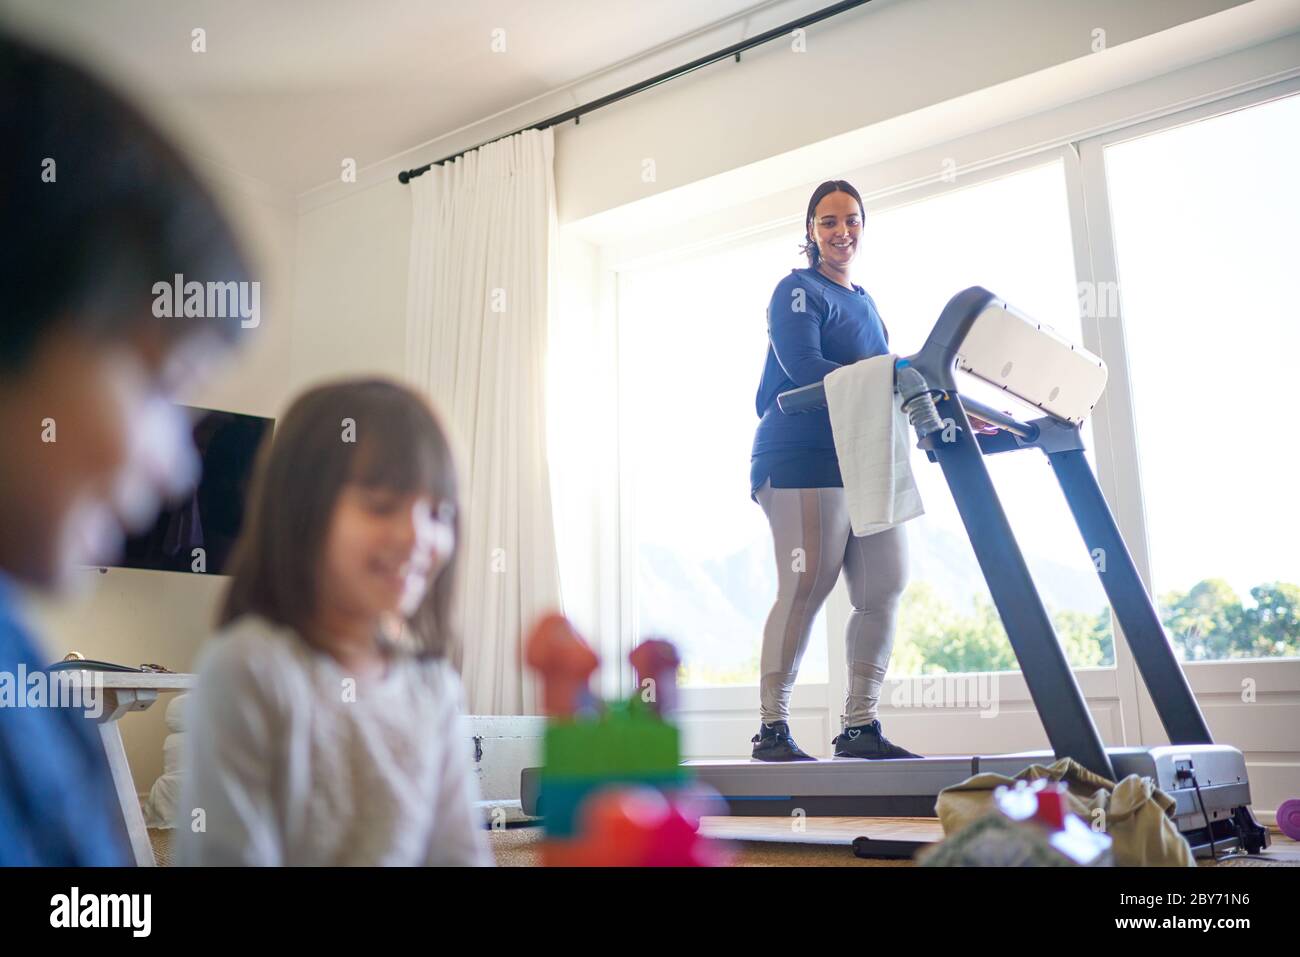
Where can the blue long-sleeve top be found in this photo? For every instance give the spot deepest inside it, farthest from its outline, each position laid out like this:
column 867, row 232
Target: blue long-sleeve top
column 814, row 326
column 57, row 799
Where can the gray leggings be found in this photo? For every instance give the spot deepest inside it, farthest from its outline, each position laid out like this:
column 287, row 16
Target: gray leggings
column 813, row 540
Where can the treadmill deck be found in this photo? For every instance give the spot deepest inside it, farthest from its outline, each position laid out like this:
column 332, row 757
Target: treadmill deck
column 907, row 787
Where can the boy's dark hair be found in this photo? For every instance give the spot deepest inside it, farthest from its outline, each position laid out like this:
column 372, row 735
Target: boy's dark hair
column 123, row 211
column 809, row 246
column 399, row 444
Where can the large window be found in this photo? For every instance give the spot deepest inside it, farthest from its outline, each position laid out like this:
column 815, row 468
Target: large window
column 1205, row 221
column 1167, row 247
column 693, row 338
column 1203, row 217
column 1010, row 235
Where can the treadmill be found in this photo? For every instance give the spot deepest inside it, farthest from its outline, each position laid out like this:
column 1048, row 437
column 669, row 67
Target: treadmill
column 980, row 335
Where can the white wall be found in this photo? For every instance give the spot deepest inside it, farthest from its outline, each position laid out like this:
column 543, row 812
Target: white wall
column 132, row 616
column 884, row 60
column 349, row 311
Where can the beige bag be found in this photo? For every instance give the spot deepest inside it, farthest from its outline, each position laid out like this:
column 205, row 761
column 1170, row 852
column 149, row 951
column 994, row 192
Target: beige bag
column 1134, row 812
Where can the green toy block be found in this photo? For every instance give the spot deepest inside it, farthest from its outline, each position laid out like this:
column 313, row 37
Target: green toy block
column 627, row 739
column 628, row 743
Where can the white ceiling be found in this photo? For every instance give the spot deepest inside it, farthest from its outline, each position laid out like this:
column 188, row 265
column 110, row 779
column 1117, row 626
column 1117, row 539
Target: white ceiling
column 288, row 88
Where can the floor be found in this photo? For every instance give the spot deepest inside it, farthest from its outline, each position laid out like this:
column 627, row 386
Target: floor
column 826, row 842
column 768, row 842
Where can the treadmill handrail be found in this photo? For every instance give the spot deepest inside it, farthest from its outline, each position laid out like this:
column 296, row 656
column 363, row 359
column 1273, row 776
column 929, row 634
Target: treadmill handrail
column 806, row 398
column 811, row 397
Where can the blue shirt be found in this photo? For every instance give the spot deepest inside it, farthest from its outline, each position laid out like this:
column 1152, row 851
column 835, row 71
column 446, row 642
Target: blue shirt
column 58, row 806
column 814, row 326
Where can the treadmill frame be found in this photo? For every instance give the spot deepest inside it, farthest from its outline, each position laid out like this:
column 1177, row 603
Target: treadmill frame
column 1210, row 812
column 1223, row 798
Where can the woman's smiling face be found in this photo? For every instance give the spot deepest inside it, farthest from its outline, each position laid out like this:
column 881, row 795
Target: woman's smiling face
column 836, row 228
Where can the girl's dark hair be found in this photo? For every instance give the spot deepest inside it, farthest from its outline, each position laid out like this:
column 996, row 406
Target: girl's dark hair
column 809, row 246
column 301, row 470
column 100, row 206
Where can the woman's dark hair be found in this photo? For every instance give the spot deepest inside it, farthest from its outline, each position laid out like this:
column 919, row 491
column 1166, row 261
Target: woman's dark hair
column 809, row 246
column 99, row 206
column 301, row 470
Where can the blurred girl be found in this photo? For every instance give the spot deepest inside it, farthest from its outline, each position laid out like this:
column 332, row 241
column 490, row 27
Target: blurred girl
column 324, row 726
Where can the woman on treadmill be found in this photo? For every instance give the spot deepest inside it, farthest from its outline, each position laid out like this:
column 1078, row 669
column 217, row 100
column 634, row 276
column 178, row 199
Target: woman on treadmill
column 819, row 320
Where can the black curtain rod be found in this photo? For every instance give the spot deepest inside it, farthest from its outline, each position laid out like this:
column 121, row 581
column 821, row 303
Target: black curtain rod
column 575, row 114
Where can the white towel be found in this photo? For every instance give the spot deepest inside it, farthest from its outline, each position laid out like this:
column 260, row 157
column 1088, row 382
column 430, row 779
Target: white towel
column 872, row 441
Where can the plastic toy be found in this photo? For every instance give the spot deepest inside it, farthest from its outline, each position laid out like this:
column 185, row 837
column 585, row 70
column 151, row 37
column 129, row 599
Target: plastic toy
column 613, row 792
column 1288, row 818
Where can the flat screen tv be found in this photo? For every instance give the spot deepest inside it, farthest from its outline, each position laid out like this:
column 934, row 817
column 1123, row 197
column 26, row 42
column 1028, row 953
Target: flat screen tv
column 211, row 517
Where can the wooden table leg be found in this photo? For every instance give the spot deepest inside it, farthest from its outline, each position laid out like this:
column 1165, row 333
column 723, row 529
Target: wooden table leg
column 116, row 704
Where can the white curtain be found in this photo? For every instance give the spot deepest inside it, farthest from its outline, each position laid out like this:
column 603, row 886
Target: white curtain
column 484, row 242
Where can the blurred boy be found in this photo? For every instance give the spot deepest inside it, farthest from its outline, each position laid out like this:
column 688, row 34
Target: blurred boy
column 95, row 208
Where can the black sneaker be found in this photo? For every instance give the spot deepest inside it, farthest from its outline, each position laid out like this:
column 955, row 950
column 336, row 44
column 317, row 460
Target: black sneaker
column 773, row 743
column 866, row 741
